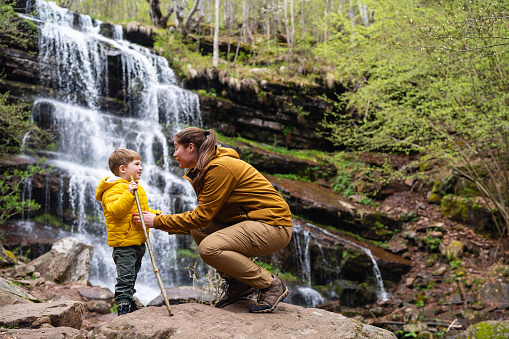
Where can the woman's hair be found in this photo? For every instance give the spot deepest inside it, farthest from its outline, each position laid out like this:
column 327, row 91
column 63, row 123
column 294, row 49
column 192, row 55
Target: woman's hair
column 205, row 143
column 121, row 156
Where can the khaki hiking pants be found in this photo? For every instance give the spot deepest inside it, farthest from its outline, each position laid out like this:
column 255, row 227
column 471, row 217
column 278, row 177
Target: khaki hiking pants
column 228, row 248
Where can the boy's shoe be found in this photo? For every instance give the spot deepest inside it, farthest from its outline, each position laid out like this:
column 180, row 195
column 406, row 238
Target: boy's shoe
column 269, row 297
column 124, row 308
column 233, row 290
column 132, row 306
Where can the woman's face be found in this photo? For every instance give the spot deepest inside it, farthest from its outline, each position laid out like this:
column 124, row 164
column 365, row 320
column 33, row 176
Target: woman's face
column 186, row 156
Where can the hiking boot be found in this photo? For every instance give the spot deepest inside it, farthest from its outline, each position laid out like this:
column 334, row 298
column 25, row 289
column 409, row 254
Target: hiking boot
column 132, row 306
column 269, row 297
column 123, row 308
column 233, row 290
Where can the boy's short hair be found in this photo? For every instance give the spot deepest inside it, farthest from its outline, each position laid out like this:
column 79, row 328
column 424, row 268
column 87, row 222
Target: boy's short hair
column 121, row 156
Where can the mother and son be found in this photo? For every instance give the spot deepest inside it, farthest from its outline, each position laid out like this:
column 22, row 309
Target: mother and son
column 239, row 215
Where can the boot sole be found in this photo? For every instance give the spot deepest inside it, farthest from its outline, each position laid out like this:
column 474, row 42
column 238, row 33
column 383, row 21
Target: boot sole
column 281, row 298
column 231, row 301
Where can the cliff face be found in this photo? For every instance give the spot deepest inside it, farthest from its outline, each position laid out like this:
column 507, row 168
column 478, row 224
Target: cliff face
column 283, row 114
column 271, row 112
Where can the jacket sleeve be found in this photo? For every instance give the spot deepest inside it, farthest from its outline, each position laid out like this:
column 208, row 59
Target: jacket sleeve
column 218, row 184
column 157, row 212
column 118, row 201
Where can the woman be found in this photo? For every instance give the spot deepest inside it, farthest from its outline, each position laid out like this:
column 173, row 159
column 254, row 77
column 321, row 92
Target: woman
column 239, row 215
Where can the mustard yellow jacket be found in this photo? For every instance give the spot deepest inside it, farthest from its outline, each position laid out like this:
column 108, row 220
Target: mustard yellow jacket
column 233, row 191
column 118, row 207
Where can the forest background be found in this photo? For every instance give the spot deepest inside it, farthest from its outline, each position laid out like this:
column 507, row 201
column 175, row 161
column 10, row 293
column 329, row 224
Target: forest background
column 420, row 77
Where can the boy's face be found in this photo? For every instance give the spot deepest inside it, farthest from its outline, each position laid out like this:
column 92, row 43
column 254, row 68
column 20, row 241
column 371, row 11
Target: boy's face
column 133, row 168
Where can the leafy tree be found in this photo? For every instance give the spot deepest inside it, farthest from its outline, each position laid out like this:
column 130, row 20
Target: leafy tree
column 440, row 89
column 11, row 184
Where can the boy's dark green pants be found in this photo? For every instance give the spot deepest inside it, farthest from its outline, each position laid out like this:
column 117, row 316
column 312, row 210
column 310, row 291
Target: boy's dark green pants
column 128, row 262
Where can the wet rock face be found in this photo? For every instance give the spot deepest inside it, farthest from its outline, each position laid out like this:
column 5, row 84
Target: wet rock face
column 268, row 112
column 339, row 263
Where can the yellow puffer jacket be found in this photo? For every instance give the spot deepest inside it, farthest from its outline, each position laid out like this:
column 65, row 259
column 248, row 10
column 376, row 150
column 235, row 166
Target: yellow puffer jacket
column 118, row 207
column 233, row 191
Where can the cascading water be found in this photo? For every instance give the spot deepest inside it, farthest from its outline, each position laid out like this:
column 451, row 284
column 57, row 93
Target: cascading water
column 76, row 65
column 301, row 238
column 382, row 294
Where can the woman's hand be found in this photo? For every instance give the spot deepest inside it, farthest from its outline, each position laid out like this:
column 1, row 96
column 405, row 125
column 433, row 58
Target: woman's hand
column 147, row 216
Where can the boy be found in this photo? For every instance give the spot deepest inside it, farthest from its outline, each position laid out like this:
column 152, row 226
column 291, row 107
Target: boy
column 128, row 241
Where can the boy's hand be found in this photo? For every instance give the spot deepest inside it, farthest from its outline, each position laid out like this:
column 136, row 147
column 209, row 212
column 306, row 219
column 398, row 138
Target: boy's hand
column 132, row 187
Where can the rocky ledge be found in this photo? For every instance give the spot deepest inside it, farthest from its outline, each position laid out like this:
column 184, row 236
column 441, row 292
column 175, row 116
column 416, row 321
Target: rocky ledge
column 194, row 320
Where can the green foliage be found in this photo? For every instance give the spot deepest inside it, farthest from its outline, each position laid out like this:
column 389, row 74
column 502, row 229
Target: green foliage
column 274, row 270
column 15, row 30
column 52, row 220
column 409, row 217
column 432, row 78
column 112, row 10
column 188, row 253
column 11, row 202
column 14, row 123
column 347, row 166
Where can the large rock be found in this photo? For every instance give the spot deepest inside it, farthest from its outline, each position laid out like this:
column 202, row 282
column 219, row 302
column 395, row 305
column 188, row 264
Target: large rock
column 6, row 257
column 68, row 260
column 63, row 313
column 234, row 321
column 45, row 333
column 11, row 294
column 494, row 294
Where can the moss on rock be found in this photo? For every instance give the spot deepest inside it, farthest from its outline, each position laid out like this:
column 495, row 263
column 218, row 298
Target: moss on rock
column 486, row 330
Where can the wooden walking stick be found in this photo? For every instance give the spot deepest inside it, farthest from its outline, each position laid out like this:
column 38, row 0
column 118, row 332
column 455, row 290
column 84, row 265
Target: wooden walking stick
column 151, row 253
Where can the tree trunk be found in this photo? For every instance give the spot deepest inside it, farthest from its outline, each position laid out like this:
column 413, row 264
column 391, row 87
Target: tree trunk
column 241, row 33
column 228, row 22
column 190, row 15
column 155, row 12
column 286, row 24
column 215, row 54
column 292, row 33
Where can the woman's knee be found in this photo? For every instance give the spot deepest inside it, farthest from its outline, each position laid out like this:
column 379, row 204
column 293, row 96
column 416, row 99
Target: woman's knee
column 208, row 248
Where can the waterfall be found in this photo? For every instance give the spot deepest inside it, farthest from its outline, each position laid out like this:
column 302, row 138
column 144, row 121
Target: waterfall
column 76, row 66
column 382, row 294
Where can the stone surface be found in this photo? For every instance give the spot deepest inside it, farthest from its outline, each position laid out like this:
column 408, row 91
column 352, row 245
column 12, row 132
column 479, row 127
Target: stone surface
column 324, row 206
column 183, row 294
column 63, row 313
column 494, row 293
column 43, row 333
column 6, row 257
column 96, row 293
column 99, row 306
column 234, row 321
column 68, row 260
column 11, row 294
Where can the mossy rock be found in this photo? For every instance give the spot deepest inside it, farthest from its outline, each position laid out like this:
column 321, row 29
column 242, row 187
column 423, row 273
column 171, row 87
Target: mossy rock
column 486, row 330
column 434, row 198
column 467, row 210
column 455, row 208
